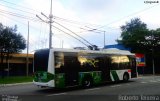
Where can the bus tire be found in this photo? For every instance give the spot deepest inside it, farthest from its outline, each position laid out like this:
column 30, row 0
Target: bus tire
column 125, row 77
column 87, row 82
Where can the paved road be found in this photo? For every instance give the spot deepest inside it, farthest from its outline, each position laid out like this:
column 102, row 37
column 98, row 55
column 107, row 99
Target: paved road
column 141, row 89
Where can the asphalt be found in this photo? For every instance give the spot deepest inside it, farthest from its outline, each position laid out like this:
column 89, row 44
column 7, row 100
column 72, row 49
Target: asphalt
column 24, row 83
column 142, row 86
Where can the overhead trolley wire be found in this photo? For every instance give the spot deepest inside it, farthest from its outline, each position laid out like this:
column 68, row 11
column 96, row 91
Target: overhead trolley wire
column 74, row 33
column 75, row 22
column 20, row 6
column 18, row 9
column 70, row 35
column 145, row 9
column 18, row 15
column 55, row 17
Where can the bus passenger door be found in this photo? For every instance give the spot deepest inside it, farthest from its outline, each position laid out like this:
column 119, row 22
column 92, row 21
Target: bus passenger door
column 106, row 69
column 104, row 66
column 71, row 70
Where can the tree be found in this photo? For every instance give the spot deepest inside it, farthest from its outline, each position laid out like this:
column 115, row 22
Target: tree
column 10, row 42
column 134, row 35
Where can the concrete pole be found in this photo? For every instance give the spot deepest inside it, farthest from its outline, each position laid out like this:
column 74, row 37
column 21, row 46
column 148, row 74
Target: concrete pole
column 104, row 38
column 27, row 65
column 153, row 62
column 50, row 27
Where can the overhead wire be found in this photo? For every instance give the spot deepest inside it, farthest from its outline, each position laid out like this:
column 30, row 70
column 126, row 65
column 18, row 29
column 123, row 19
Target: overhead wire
column 77, row 22
column 129, row 15
column 74, row 33
column 15, row 20
column 32, row 40
column 59, row 18
column 112, row 21
column 70, row 35
column 18, row 15
column 74, row 22
column 122, row 18
column 20, row 6
column 55, row 17
column 18, row 9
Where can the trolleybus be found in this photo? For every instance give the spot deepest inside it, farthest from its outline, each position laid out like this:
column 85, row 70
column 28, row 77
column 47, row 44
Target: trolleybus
column 61, row 68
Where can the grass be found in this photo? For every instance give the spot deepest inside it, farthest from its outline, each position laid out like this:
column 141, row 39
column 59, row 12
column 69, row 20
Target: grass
column 15, row 79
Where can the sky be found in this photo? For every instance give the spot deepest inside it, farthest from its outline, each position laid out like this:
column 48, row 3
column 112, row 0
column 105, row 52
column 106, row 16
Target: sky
column 89, row 19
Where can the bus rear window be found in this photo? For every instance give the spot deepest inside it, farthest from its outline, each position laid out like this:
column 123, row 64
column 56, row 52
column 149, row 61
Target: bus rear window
column 41, row 60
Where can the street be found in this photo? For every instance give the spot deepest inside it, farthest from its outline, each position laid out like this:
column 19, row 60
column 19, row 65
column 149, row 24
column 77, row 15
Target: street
column 139, row 89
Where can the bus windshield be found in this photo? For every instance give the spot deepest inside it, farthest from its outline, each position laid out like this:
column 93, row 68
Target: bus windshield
column 41, row 60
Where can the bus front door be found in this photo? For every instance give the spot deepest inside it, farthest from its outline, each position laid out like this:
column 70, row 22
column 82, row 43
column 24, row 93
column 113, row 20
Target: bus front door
column 71, row 70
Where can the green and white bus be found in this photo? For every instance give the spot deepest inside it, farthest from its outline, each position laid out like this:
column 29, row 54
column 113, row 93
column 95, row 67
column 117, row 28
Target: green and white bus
column 61, row 68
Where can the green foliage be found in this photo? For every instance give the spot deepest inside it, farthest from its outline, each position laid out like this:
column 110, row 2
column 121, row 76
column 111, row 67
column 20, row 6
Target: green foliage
column 10, row 42
column 136, row 36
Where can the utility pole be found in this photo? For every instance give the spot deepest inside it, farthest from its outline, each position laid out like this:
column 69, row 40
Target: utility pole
column 50, row 27
column 104, row 38
column 153, row 61
column 152, row 39
column 27, row 66
column 62, row 44
column 50, row 24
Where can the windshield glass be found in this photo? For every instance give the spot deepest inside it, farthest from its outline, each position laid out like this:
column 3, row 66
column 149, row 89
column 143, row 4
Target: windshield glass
column 41, row 60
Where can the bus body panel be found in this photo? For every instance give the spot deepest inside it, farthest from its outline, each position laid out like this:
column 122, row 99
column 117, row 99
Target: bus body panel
column 117, row 75
column 51, row 62
column 47, row 84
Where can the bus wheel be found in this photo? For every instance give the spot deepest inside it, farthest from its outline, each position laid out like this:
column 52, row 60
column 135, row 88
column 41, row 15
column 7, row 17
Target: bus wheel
column 125, row 77
column 87, row 82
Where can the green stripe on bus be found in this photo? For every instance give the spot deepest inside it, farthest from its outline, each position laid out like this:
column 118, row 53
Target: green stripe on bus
column 96, row 77
column 115, row 75
column 60, row 80
column 42, row 76
column 82, row 75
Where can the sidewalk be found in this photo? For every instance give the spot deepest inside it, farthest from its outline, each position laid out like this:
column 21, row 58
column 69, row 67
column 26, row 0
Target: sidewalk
column 15, row 84
column 148, row 75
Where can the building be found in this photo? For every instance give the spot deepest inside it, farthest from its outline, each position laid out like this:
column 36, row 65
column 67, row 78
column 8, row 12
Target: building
column 117, row 46
column 17, row 65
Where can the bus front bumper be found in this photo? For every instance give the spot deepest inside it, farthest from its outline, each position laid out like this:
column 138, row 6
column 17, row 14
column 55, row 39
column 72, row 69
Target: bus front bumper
column 47, row 84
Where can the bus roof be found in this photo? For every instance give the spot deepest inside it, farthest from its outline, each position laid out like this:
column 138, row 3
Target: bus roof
column 103, row 51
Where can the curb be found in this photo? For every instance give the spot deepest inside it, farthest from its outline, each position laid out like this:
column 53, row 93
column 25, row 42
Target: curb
column 15, row 84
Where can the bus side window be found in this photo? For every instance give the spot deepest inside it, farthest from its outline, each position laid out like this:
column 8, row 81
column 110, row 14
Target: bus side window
column 115, row 62
column 124, row 62
column 59, row 60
